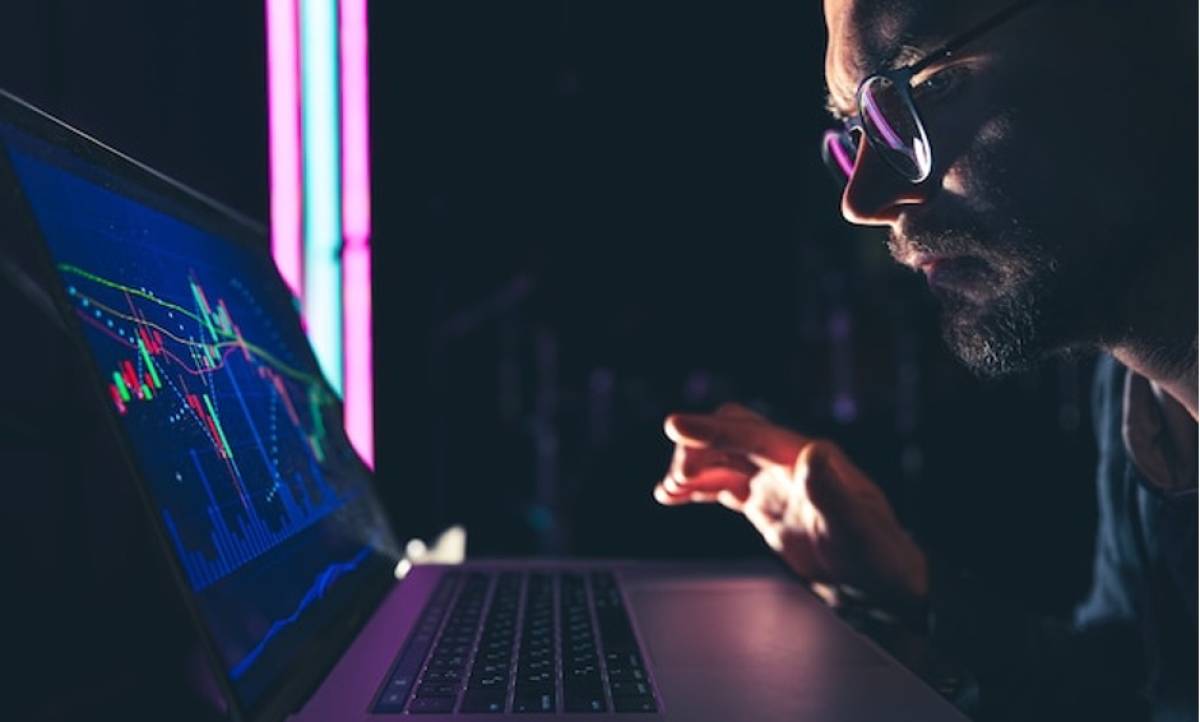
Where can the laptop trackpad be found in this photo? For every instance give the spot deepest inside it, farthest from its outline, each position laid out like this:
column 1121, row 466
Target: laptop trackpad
column 763, row 648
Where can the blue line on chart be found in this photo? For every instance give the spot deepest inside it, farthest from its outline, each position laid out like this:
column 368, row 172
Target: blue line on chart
column 317, row 591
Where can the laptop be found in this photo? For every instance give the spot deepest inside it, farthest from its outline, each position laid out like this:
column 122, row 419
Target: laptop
column 280, row 546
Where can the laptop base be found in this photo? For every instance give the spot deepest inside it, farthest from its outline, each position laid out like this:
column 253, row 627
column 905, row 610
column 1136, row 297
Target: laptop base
column 723, row 641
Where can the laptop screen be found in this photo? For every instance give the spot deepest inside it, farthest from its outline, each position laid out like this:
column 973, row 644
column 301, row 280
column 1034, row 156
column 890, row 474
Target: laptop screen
column 236, row 434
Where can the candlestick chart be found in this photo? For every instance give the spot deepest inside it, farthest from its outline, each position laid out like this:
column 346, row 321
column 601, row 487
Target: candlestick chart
column 234, row 434
column 175, row 360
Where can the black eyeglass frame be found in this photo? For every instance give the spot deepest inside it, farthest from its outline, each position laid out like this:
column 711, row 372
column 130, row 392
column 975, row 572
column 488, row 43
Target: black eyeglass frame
column 902, row 79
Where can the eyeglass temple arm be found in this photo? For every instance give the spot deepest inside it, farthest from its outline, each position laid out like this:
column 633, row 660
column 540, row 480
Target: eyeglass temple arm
column 998, row 19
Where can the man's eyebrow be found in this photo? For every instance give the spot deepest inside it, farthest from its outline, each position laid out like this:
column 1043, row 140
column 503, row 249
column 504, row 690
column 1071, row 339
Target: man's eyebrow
column 906, row 54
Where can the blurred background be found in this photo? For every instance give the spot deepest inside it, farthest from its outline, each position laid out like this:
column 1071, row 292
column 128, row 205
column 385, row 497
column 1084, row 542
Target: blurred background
column 586, row 216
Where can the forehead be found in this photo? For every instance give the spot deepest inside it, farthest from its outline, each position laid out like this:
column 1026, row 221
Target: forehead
column 866, row 35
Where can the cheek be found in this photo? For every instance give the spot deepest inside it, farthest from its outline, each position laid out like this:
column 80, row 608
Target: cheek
column 1002, row 178
column 977, row 175
column 1082, row 153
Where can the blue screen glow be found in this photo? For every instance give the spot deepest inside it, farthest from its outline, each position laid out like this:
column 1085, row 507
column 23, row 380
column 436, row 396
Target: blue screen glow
column 235, row 431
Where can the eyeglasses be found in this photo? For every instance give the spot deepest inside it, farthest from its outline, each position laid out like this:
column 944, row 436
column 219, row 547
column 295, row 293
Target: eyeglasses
column 888, row 116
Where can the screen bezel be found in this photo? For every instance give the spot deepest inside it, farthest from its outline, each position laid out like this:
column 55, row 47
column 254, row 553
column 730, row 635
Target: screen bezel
column 308, row 668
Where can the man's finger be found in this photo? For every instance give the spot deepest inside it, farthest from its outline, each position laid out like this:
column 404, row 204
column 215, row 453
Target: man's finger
column 665, row 496
column 709, row 483
column 711, row 479
column 733, row 410
column 735, row 500
column 741, row 435
column 691, row 462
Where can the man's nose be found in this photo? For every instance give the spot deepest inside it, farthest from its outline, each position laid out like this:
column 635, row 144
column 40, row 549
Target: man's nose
column 876, row 194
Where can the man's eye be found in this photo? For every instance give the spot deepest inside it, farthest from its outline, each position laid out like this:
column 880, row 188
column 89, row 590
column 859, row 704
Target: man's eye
column 940, row 84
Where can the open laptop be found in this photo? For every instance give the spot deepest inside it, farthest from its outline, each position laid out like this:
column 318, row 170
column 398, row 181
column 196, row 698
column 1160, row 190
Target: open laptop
column 282, row 550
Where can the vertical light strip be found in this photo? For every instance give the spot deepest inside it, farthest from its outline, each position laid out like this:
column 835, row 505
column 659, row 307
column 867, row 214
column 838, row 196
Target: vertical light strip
column 283, row 113
column 356, row 157
column 322, row 197
column 356, row 231
column 359, row 409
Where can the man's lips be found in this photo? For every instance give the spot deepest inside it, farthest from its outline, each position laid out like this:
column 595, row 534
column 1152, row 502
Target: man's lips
column 960, row 273
column 923, row 262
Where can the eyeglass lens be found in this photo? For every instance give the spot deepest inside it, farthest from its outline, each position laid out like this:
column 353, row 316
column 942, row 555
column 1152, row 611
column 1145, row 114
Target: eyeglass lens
column 891, row 122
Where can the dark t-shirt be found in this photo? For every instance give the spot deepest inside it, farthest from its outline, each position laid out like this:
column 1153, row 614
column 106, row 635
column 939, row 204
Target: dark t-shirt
column 1131, row 651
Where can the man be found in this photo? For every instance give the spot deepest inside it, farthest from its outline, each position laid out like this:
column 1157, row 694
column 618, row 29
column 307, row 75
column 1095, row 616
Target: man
column 1036, row 162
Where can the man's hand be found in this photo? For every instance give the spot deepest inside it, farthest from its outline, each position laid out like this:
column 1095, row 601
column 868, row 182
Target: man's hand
column 812, row 505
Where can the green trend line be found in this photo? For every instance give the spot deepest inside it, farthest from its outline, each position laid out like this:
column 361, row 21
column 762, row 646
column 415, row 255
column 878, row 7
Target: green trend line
column 76, row 270
column 317, row 392
column 256, row 350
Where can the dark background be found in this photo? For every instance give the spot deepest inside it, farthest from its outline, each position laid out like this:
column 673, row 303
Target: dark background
column 588, row 215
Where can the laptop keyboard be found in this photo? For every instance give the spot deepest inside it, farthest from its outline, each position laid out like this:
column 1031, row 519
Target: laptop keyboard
column 545, row 642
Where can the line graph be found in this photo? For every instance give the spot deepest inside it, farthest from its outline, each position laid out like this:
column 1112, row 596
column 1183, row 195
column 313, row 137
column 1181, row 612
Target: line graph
column 320, row 585
column 237, row 341
column 164, row 342
column 232, row 429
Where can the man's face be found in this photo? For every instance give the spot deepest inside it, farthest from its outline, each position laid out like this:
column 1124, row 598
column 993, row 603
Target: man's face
column 1023, row 229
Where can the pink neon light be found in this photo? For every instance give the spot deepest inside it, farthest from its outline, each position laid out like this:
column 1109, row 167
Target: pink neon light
column 356, row 302
column 356, row 155
column 283, row 111
column 283, row 124
column 356, row 231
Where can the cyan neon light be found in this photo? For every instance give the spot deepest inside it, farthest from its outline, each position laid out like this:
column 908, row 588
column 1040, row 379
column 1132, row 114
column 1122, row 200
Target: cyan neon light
column 322, row 197
column 283, row 113
column 356, row 231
